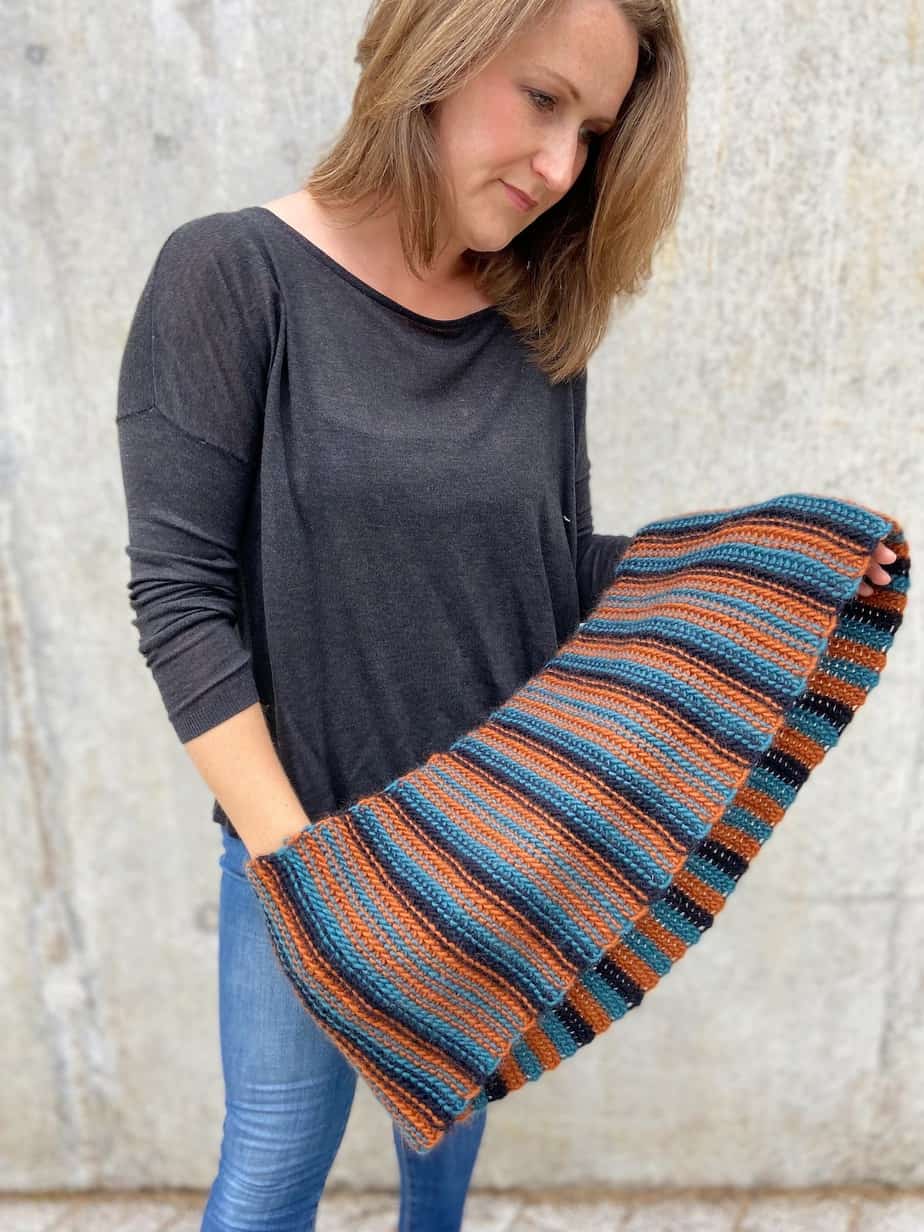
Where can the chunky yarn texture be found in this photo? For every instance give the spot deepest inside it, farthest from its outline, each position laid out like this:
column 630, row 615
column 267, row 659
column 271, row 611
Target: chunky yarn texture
column 484, row 916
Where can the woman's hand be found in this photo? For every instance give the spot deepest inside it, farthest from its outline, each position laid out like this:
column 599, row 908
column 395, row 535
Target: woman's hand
column 874, row 573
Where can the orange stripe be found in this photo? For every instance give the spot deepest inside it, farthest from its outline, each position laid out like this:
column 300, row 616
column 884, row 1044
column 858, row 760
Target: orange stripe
column 580, row 904
column 797, row 744
column 506, row 919
column 701, row 745
column 510, row 1073
column 589, row 1008
column 746, row 845
column 674, row 662
column 422, row 936
column 509, row 797
column 653, row 761
column 531, row 755
column 401, row 1039
column 544, row 1050
column 393, row 961
column 393, row 819
column 636, row 595
column 394, row 1092
column 764, row 807
column 840, row 647
column 633, row 964
column 832, row 686
column 705, row 896
column 827, row 546
column 666, row 941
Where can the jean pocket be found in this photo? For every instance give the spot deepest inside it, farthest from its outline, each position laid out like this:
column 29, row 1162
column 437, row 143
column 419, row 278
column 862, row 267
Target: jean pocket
column 233, row 855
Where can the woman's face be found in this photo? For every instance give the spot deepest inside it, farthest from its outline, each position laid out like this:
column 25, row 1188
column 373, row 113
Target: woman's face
column 517, row 123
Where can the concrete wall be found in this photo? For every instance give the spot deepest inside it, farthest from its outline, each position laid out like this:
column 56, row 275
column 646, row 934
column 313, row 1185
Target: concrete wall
column 779, row 348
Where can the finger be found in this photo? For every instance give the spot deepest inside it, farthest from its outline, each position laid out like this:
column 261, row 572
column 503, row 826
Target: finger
column 877, row 575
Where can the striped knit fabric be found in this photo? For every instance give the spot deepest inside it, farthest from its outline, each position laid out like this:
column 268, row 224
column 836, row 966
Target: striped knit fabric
column 485, row 915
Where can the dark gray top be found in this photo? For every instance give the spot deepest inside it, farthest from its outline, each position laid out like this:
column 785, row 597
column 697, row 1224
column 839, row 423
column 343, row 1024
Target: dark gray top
column 376, row 523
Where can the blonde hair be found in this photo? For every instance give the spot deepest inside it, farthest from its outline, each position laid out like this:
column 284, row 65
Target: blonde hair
column 557, row 279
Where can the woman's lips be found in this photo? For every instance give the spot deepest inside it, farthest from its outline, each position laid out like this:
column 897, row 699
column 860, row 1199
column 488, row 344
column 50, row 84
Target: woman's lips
column 517, row 198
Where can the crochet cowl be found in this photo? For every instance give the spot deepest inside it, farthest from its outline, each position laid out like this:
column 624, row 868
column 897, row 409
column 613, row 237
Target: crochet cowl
column 484, row 916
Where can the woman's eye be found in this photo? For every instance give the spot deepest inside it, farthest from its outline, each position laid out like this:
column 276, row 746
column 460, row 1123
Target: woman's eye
column 539, row 100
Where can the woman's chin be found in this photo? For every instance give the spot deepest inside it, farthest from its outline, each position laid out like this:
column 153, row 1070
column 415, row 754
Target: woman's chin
column 492, row 239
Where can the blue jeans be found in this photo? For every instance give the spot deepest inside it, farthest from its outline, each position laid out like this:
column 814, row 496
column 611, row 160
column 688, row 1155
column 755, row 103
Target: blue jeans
column 288, row 1093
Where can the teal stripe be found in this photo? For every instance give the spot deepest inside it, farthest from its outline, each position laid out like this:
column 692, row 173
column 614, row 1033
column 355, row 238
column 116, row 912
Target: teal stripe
column 710, row 712
column 439, row 976
column 762, row 779
column 506, row 879
column 708, row 873
column 744, row 659
column 640, row 781
column 526, row 1059
column 636, row 733
column 608, row 997
column 345, row 954
column 592, row 892
column 740, row 818
column 779, row 562
column 863, row 633
column 564, row 1043
column 448, row 915
column 678, row 924
column 793, row 505
column 646, row 949
column 818, row 728
column 350, row 1028
column 616, row 846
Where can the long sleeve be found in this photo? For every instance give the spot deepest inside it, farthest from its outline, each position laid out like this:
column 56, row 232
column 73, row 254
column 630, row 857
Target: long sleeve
column 597, row 555
column 189, row 423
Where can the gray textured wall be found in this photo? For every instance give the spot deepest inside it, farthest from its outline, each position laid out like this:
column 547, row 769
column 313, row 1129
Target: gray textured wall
column 779, row 348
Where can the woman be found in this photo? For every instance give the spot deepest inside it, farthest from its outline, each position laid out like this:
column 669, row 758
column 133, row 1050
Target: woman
column 352, row 424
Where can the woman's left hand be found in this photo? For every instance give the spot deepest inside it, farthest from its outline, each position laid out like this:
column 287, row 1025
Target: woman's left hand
column 874, row 573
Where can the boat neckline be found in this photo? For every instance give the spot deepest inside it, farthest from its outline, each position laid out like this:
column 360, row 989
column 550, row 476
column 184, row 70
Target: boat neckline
column 438, row 323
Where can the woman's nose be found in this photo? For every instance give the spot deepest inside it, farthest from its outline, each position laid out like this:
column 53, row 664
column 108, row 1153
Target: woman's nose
column 558, row 165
